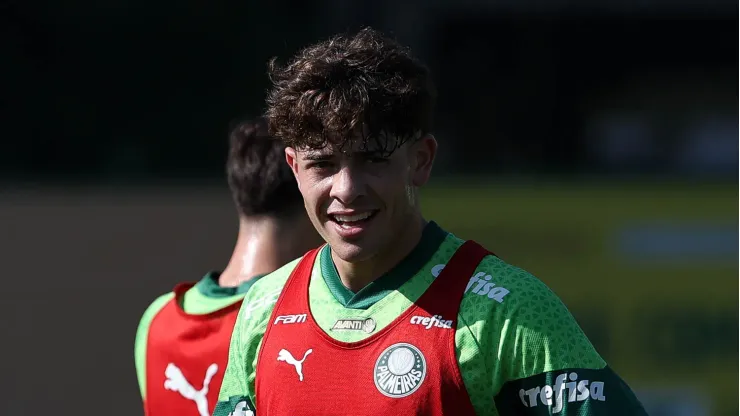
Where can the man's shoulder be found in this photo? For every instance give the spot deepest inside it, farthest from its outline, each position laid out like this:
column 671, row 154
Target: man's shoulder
column 261, row 298
column 153, row 309
column 499, row 290
column 506, row 304
column 493, row 272
column 142, row 334
column 273, row 281
column 142, row 331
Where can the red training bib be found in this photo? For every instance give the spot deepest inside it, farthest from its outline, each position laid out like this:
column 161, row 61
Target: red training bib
column 407, row 368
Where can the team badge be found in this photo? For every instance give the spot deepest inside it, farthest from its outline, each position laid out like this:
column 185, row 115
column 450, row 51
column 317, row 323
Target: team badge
column 400, row 370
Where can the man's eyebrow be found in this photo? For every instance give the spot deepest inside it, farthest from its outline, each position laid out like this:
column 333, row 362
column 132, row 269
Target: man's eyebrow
column 316, row 156
column 367, row 154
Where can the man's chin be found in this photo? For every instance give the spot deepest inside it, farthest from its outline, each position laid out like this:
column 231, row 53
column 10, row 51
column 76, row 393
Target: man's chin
column 350, row 251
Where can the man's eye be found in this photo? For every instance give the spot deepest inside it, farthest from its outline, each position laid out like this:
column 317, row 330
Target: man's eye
column 378, row 160
column 320, row 165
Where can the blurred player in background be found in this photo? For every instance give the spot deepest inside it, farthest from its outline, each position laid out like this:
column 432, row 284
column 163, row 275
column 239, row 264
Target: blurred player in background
column 182, row 341
column 394, row 315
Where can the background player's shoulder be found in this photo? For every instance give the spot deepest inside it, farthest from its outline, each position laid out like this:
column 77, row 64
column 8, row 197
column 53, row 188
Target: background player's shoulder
column 142, row 334
column 151, row 311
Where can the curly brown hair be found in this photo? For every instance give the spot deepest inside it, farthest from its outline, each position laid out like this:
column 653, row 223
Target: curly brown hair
column 365, row 87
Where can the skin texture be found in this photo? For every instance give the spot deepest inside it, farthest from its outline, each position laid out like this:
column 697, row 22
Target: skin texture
column 266, row 243
column 359, row 180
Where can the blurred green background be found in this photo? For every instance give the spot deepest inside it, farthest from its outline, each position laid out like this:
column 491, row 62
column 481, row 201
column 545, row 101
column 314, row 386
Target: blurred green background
column 648, row 269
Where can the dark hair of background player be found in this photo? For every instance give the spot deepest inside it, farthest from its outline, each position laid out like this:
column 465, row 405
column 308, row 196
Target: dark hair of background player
column 261, row 182
column 365, row 83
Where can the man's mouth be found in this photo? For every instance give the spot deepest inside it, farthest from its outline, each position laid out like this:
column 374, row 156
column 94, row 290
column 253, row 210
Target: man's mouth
column 352, row 220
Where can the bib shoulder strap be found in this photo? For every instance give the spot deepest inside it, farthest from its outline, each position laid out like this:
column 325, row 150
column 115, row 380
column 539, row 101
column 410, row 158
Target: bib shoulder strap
column 445, row 293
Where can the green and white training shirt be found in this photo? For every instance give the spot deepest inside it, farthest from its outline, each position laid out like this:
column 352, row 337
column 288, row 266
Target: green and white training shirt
column 517, row 345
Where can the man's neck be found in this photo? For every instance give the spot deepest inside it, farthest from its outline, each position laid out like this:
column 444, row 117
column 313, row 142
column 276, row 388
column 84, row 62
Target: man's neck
column 257, row 252
column 356, row 276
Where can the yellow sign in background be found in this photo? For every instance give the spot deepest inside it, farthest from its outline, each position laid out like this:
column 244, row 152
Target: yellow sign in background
column 649, row 270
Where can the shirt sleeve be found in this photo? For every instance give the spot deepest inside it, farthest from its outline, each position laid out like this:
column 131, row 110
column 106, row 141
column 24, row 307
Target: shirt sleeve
column 233, row 399
column 237, row 395
column 549, row 367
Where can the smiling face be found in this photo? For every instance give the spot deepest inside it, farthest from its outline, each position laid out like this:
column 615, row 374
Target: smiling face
column 360, row 200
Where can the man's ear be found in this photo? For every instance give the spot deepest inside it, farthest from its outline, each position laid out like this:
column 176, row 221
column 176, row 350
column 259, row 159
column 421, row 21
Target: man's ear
column 423, row 153
column 291, row 156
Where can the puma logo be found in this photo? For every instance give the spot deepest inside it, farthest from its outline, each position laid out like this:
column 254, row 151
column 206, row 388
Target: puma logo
column 176, row 381
column 286, row 356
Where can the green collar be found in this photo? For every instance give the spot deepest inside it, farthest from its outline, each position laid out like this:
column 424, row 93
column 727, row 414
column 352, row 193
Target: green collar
column 430, row 241
column 208, row 286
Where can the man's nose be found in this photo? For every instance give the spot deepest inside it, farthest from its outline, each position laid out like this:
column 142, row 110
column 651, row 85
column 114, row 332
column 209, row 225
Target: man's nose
column 348, row 184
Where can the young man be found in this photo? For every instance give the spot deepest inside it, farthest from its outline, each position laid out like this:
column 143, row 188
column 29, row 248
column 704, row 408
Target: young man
column 183, row 338
column 394, row 315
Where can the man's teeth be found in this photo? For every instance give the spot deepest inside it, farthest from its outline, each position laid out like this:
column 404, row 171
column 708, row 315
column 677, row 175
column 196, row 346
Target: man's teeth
column 352, row 218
